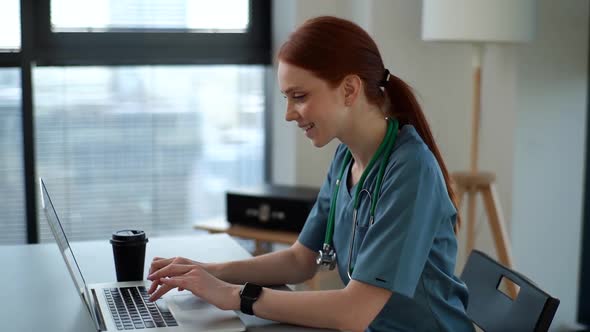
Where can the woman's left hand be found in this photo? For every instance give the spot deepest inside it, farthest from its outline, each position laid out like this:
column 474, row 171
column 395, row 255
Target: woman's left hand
column 195, row 279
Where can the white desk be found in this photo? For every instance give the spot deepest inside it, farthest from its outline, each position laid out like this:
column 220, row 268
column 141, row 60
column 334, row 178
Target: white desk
column 38, row 294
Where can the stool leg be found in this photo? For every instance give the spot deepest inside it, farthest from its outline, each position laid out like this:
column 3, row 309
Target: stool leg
column 460, row 193
column 492, row 205
column 471, row 218
column 497, row 224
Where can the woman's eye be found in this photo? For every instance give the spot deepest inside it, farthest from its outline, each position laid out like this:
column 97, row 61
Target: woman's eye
column 299, row 97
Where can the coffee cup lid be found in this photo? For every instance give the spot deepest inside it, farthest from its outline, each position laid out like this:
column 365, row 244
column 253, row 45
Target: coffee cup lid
column 129, row 235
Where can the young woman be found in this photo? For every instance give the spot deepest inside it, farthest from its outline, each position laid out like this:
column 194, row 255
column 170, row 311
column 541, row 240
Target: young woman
column 385, row 215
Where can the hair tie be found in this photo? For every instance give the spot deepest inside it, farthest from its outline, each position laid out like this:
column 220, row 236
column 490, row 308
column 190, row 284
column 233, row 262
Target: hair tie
column 385, row 78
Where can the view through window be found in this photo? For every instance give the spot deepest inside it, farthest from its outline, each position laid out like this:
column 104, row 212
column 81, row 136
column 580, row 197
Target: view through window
column 198, row 15
column 12, row 202
column 10, row 25
column 148, row 135
column 152, row 147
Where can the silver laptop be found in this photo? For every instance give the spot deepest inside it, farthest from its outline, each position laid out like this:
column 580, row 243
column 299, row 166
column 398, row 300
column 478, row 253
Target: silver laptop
column 125, row 306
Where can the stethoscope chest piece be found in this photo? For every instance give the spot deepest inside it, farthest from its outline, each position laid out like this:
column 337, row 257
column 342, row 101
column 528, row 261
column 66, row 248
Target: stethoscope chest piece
column 327, row 257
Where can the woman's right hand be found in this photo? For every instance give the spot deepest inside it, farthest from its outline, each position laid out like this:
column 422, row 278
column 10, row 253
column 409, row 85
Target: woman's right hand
column 159, row 263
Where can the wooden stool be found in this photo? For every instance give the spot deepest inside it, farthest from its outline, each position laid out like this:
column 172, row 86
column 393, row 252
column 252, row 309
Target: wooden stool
column 473, row 183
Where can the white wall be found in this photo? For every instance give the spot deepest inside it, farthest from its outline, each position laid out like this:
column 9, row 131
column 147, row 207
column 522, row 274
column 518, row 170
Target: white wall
column 295, row 162
column 442, row 76
column 551, row 88
column 526, row 89
column 283, row 136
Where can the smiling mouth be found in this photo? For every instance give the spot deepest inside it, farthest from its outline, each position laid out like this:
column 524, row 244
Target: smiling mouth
column 308, row 127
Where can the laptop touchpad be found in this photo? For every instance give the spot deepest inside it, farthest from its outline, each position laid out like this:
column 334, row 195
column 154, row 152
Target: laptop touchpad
column 189, row 302
column 196, row 314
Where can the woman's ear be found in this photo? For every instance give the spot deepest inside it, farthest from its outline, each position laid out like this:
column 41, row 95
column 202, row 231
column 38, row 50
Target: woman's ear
column 351, row 87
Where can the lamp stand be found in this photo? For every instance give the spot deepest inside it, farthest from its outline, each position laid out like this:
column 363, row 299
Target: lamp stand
column 474, row 182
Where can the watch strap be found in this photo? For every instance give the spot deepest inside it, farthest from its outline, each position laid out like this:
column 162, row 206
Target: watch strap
column 247, row 302
column 246, row 306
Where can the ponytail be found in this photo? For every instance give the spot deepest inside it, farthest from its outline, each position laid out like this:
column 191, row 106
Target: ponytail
column 405, row 108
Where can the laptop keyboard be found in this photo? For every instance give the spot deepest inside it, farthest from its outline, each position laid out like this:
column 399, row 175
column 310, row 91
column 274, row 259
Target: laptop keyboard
column 131, row 309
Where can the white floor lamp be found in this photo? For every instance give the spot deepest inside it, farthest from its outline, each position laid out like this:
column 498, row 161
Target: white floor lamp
column 479, row 22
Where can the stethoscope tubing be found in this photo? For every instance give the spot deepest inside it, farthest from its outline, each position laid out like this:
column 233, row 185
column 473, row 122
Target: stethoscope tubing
column 353, row 236
column 384, row 152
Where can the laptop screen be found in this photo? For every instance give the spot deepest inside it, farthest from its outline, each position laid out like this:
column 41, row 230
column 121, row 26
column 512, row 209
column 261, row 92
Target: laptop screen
column 64, row 246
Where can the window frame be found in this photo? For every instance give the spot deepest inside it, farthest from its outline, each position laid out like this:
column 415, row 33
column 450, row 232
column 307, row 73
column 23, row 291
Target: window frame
column 40, row 46
column 583, row 308
column 10, row 59
column 154, row 46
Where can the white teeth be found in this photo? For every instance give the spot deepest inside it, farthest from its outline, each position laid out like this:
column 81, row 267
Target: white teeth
column 308, row 127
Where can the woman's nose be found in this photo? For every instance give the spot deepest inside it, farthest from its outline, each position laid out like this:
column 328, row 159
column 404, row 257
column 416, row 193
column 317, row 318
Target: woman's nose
column 291, row 115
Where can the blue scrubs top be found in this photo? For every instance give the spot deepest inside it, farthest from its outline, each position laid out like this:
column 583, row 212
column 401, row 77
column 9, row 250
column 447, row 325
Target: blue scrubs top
column 410, row 249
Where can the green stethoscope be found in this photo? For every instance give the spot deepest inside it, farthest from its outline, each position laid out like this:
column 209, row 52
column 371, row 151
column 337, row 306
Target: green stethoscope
column 327, row 255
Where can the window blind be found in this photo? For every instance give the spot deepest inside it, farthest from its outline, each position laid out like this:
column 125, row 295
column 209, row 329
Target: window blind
column 12, row 197
column 148, row 147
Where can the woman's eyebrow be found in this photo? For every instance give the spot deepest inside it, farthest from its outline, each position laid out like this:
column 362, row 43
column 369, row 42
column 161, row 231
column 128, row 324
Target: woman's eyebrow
column 289, row 90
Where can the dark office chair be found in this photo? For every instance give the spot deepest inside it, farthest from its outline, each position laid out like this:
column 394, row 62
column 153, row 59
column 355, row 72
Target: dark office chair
column 493, row 310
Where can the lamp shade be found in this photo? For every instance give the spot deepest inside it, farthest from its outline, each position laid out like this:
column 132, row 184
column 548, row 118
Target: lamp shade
column 478, row 20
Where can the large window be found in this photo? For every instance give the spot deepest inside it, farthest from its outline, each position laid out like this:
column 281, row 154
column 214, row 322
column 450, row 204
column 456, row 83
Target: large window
column 12, row 197
column 148, row 147
column 193, row 15
column 137, row 113
column 10, row 25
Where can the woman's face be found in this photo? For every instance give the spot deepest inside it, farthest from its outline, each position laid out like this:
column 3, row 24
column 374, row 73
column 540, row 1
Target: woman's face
column 311, row 102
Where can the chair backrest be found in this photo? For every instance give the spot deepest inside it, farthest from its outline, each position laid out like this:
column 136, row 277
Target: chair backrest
column 493, row 310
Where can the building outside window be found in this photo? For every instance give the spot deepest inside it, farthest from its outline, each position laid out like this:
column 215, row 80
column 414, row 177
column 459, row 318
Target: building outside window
column 150, row 143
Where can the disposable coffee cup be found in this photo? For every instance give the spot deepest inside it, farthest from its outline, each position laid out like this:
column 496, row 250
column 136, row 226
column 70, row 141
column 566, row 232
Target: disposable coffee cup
column 129, row 254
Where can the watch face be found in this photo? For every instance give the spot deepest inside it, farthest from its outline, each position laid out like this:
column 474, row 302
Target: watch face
column 251, row 291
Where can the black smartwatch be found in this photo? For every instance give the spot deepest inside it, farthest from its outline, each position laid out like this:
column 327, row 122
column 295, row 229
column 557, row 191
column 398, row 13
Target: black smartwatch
column 248, row 295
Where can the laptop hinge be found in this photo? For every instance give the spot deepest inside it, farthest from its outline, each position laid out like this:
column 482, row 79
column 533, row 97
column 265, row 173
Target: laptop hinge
column 98, row 313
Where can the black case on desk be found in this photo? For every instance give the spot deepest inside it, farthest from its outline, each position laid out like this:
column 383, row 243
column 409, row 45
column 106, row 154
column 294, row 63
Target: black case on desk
column 282, row 208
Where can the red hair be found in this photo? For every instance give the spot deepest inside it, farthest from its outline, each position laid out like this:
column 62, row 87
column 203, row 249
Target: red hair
column 332, row 48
